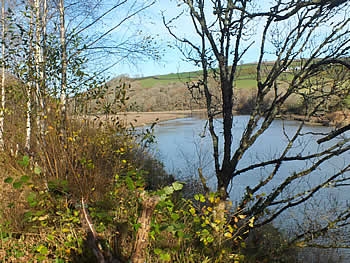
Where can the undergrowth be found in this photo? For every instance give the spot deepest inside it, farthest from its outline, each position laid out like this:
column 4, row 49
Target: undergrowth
column 107, row 171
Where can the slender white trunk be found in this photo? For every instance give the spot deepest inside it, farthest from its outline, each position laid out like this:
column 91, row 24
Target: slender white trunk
column 40, row 35
column 63, row 95
column 29, row 93
column 3, row 67
column 29, row 117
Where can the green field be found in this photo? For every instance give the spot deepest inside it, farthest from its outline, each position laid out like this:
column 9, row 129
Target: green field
column 161, row 80
column 245, row 78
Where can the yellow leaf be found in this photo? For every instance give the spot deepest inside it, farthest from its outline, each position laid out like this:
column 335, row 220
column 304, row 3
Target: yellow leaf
column 228, row 235
column 217, row 221
column 42, row 218
column 242, row 216
column 300, row 244
column 211, row 199
column 192, row 211
column 251, row 222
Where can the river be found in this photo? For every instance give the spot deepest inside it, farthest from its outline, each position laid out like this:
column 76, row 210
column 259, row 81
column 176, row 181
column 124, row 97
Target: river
column 183, row 145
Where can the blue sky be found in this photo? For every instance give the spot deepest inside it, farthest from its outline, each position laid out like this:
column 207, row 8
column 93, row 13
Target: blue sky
column 172, row 61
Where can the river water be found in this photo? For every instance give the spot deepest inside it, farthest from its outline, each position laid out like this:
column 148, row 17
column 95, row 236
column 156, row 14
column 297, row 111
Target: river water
column 184, row 145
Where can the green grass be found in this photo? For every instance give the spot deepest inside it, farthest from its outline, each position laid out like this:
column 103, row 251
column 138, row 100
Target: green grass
column 246, row 78
column 183, row 77
column 347, row 101
column 245, row 83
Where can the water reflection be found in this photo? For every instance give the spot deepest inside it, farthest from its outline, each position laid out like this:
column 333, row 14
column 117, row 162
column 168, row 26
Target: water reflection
column 183, row 149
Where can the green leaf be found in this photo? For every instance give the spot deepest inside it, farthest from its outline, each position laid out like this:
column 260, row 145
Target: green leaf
column 165, row 256
column 158, row 251
column 137, row 226
column 171, row 229
column 32, row 199
column 168, row 190
column 130, row 183
column 25, row 161
column 200, row 198
column 25, row 179
column 37, row 170
column 42, row 250
column 177, row 186
column 8, row 180
column 17, row 185
column 210, row 239
column 180, row 234
column 175, row 216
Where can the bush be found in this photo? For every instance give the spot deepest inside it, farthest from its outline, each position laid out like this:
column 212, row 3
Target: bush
column 268, row 244
column 42, row 214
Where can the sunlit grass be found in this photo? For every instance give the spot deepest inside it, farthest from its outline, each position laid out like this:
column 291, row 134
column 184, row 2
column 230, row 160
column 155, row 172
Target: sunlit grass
column 167, row 79
column 245, row 79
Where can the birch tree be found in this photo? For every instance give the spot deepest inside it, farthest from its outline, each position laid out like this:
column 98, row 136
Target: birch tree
column 29, row 85
column 3, row 75
column 40, row 10
column 4, row 62
column 63, row 92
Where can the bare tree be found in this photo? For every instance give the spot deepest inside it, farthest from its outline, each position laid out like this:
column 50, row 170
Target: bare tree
column 40, row 14
column 3, row 75
column 85, row 42
column 59, row 49
column 5, row 6
column 308, row 42
column 63, row 92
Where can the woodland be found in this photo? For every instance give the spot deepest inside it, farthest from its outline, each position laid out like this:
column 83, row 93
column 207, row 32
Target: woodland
column 78, row 188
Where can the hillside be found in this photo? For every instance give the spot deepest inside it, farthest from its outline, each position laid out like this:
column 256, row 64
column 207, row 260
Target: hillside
column 170, row 93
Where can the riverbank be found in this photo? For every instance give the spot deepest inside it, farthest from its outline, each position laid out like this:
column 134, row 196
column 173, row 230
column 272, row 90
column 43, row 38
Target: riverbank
column 140, row 119
column 336, row 119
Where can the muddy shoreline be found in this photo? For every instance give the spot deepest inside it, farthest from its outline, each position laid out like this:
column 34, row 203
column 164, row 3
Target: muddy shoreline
column 139, row 119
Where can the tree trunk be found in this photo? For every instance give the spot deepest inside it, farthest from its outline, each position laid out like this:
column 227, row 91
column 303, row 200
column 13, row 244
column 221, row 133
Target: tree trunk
column 29, row 90
column 63, row 92
column 28, row 117
column 149, row 203
column 40, row 28
column 3, row 99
